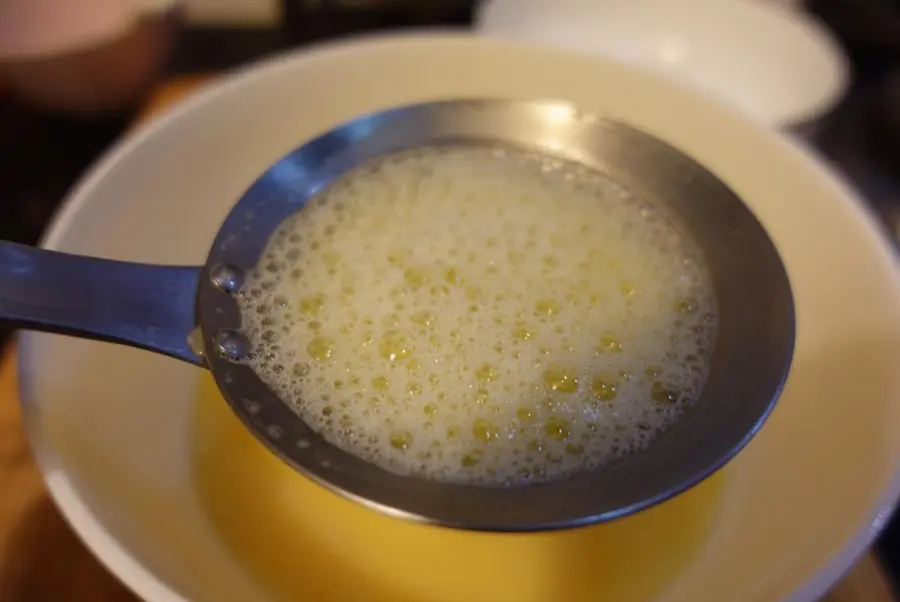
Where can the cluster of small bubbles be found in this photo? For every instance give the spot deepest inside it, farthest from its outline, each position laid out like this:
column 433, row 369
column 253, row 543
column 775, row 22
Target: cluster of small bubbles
column 481, row 315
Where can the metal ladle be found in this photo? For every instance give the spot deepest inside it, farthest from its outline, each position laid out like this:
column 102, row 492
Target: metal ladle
column 157, row 307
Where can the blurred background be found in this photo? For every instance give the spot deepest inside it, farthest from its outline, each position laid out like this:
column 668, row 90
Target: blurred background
column 74, row 74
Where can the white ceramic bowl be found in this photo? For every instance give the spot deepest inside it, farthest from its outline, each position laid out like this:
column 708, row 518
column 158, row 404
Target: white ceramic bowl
column 109, row 426
column 778, row 65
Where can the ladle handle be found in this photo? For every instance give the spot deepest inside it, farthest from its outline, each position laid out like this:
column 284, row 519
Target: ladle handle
column 145, row 306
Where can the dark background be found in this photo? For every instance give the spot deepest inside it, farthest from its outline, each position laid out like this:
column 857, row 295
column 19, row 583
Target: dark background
column 44, row 152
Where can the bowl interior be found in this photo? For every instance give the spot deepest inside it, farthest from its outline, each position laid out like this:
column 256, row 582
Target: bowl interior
column 111, row 427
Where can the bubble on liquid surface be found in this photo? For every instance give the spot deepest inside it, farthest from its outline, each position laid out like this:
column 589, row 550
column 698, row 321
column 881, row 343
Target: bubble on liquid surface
column 473, row 316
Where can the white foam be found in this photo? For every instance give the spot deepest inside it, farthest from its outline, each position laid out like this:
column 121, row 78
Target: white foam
column 481, row 315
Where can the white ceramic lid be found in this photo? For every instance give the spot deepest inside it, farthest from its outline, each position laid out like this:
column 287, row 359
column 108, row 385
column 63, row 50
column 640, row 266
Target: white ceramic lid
column 777, row 64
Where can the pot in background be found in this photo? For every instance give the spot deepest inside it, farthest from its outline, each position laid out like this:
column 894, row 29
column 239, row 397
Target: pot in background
column 84, row 56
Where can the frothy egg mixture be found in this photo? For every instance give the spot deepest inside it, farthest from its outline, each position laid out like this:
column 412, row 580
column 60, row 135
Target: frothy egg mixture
column 473, row 314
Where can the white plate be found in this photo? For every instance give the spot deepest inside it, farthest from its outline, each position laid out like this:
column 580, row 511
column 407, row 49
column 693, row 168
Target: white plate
column 778, row 65
column 109, row 425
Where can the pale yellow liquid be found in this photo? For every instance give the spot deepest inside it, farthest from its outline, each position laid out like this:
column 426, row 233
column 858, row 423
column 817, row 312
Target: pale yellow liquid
column 303, row 543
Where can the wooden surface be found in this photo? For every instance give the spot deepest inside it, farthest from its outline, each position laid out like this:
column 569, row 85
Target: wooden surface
column 41, row 560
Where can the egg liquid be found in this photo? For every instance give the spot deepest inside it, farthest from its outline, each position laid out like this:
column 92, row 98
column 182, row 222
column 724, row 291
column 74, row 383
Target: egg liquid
column 300, row 542
column 485, row 315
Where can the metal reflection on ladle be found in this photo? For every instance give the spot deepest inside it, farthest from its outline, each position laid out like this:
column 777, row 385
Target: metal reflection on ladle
column 159, row 307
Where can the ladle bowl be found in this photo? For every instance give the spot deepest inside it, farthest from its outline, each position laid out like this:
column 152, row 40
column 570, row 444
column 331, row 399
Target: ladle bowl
column 181, row 311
